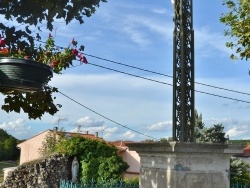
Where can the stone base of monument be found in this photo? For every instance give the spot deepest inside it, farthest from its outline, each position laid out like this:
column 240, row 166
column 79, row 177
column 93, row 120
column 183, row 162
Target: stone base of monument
column 184, row 165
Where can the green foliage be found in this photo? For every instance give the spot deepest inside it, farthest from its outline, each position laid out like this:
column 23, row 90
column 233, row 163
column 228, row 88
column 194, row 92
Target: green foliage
column 49, row 144
column 47, row 11
column 8, row 149
column 239, row 171
column 199, row 127
column 213, row 134
column 238, row 20
column 134, row 180
column 42, row 102
column 164, row 140
column 93, row 184
column 85, row 149
column 90, row 169
column 112, row 167
column 30, row 13
column 240, row 142
column 99, row 160
column 150, row 140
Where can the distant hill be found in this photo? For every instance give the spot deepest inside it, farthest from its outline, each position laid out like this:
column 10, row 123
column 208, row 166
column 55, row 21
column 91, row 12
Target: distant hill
column 239, row 142
column 8, row 149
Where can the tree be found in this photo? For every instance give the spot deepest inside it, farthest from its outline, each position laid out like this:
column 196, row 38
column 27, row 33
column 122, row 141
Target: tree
column 30, row 14
column 11, row 152
column 8, row 149
column 49, row 144
column 215, row 134
column 238, row 20
column 99, row 160
column 164, row 140
column 199, row 127
column 239, row 171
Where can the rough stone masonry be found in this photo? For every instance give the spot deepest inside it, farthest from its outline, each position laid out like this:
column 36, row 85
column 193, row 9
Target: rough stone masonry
column 44, row 173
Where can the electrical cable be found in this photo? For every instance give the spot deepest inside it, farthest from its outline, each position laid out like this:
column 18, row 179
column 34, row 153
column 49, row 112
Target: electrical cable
column 130, row 74
column 115, row 62
column 124, row 126
column 238, row 100
column 149, row 71
column 145, row 70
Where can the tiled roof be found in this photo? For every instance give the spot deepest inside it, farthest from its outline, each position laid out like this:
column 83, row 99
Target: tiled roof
column 120, row 143
column 90, row 136
column 246, row 150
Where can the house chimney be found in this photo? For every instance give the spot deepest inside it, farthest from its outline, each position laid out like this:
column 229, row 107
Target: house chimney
column 55, row 129
column 96, row 134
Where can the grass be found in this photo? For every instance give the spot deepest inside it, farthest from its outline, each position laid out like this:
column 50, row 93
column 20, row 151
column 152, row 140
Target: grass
column 6, row 164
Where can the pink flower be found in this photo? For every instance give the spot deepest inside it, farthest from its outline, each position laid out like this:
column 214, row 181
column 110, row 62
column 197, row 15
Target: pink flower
column 2, row 42
column 83, row 59
column 75, row 52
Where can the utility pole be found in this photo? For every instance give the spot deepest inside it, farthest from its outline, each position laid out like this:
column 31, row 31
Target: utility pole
column 58, row 121
column 183, row 72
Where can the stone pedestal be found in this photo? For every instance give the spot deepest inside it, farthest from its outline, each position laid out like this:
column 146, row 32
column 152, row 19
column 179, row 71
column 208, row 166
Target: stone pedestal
column 184, row 165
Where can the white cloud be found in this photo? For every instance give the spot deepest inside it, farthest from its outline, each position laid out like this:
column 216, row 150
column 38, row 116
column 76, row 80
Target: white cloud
column 129, row 135
column 160, row 11
column 90, row 130
column 88, row 121
column 110, row 133
column 59, row 119
column 16, row 128
column 166, row 125
column 142, row 30
column 226, row 122
column 235, row 132
column 90, row 125
column 138, row 37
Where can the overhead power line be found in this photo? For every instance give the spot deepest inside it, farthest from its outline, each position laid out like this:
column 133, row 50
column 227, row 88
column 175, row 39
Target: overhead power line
column 238, row 100
column 149, row 71
column 130, row 74
column 115, row 62
column 124, row 126
column 149, row 79
column 146, row 70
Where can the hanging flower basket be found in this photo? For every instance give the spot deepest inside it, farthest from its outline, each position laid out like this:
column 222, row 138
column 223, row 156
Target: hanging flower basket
column 29, row 70
column 23, row 74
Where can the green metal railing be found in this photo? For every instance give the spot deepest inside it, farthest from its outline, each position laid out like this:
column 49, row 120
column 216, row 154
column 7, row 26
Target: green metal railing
column 94, row 184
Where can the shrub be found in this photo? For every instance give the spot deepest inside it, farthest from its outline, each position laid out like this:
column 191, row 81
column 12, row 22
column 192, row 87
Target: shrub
column 98, row 160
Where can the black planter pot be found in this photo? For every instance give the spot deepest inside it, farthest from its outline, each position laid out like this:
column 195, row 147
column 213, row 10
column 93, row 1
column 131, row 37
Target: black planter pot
column 23, row 75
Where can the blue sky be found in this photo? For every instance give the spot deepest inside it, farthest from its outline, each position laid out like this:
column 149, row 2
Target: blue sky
column 140, row 33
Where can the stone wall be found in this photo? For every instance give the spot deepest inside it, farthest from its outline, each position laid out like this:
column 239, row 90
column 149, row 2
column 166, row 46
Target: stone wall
column 184, row 165
column 44, row 173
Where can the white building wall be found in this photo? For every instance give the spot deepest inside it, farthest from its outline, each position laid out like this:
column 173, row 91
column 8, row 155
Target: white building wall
column 30, row 148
